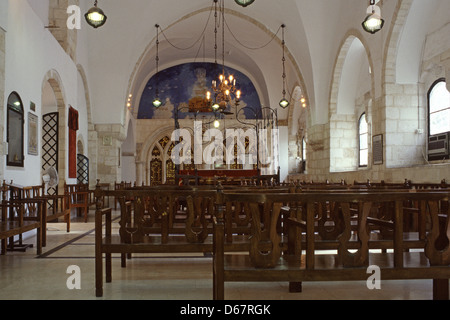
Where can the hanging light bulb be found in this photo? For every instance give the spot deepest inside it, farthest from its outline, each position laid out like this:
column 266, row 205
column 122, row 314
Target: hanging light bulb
column 284, row 103
column 216, row 124
column 373, row 22
column 157, row 102
column 95, row 16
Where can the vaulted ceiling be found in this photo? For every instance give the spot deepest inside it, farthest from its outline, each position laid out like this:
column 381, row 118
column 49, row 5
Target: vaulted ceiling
column 315, row 32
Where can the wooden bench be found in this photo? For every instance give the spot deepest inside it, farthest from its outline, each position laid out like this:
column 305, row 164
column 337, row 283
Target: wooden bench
column 54, row 206
column 120, row 186
column 15, row 222
column 295, row 267
column 163, row 219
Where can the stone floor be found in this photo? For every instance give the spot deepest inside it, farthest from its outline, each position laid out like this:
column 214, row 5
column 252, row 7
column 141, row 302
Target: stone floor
column 23, row 275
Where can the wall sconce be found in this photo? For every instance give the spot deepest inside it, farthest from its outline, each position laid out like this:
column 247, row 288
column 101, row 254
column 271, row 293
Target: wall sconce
column 95, row 17
column 373, row 22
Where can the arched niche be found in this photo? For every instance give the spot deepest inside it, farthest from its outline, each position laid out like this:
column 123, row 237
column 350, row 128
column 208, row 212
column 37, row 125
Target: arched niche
column 352, row 88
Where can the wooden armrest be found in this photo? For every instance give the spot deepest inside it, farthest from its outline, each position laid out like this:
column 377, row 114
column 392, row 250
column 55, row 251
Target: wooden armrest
column 99, row 222
column 103, row 211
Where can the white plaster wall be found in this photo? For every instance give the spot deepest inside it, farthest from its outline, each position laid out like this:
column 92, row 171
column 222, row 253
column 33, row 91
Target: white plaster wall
column 31, row 51
column 82, row 133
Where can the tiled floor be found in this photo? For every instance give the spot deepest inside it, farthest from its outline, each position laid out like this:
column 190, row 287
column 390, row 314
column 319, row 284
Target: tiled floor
column 26, row 276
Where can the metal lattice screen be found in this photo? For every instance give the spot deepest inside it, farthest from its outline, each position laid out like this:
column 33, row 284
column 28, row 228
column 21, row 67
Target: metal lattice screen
column 82, row 169
column 50, row 124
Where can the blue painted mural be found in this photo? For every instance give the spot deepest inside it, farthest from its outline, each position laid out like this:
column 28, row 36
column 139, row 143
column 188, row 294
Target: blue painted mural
column 178, row 84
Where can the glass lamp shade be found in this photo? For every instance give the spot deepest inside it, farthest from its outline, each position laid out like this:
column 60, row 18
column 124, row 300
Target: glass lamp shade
column 95, row 17
column 373, row 23
column 217, row 124
column 284, row 103
column 244, row 3
column 157, row 103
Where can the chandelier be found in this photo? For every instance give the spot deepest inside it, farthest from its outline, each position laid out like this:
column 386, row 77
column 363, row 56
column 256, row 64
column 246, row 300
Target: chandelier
column 224, row 89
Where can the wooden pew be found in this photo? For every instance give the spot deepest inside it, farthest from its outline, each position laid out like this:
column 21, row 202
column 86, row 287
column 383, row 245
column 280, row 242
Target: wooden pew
column 294, row 267
column 158, row 219
column 54, row 207
column 166, row 219
column 15, row 222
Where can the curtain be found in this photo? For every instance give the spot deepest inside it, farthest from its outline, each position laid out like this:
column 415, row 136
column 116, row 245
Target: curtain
column 73, row 128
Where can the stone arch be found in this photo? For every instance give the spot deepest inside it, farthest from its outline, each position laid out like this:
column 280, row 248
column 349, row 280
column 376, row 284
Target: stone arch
column 143, row 154
column 53, row 79
column 92, row 148
column 80, row 145
column 134, row 87
column 346, row 102
column 398, row 97
column 297, row 127
column 390, row 61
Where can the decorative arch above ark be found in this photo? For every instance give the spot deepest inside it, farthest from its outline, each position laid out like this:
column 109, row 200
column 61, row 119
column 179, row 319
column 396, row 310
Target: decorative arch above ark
column 182, row 85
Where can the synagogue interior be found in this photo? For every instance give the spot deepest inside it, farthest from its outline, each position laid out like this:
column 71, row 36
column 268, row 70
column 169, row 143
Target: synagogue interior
column 225, row 150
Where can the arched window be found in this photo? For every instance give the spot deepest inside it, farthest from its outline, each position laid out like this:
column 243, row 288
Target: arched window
column 438, row 108
column 303, row 163
column 363, row 141
column 15, row 120
column 303, row 149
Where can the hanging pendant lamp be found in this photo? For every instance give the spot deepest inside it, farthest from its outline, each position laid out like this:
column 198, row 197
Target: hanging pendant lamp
column 95, row 17
column 373, row 22
column 157, row 102
column 244, row 3
column 284, row 103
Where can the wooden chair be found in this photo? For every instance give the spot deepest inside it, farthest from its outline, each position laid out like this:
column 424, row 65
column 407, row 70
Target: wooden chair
column 77, row 197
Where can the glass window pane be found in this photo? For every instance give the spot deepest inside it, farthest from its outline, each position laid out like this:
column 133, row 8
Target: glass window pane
column 363, row 158
column 363, row 141
column 304, row 149
column 363, row 124
column 440, row 122
column 439, row 97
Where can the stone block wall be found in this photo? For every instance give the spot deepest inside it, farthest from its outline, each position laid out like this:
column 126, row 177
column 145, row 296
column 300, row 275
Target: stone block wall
column 58, row 20
column 405, row 115
column 110, row 139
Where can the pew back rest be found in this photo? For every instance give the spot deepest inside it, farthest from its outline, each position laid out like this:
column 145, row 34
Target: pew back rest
column 156, row 212
column 434, row 203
